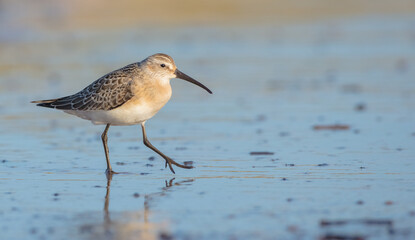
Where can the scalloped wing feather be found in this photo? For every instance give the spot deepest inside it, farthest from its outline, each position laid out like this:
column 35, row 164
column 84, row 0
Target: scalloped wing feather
column 106, row 93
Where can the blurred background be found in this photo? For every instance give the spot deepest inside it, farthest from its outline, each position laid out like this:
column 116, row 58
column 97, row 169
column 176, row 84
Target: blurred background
column 309, row 133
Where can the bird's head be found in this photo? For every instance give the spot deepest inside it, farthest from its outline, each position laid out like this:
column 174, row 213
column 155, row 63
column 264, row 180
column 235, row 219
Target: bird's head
column 162, row 67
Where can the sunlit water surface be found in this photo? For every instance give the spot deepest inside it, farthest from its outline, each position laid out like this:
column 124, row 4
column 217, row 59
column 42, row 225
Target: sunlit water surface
column 272, row 85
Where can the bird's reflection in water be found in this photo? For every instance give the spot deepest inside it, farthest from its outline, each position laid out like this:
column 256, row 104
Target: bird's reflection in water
column 134, row 225
column 107, row 219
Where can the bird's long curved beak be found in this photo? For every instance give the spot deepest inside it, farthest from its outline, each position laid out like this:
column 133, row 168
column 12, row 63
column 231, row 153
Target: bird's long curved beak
column 189, row 79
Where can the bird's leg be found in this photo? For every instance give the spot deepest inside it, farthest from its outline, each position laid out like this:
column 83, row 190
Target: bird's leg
column 104, row 138
column 169, row 161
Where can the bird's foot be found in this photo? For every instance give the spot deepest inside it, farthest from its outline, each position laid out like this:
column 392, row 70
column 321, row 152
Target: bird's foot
column 170, row 161
column 109, row 172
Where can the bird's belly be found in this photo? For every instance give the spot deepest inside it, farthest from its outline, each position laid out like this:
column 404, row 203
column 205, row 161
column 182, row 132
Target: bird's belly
column 127, row 114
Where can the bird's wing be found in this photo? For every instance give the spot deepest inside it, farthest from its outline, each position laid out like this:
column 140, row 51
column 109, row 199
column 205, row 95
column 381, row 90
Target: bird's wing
column 106, row 93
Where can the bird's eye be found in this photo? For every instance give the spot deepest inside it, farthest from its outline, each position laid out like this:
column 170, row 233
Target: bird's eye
column 163, row 65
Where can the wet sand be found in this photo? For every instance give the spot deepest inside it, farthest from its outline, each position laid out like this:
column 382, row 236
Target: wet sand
column 309, row 133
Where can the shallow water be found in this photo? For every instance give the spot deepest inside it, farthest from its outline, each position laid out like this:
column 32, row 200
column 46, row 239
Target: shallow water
column 274, row 88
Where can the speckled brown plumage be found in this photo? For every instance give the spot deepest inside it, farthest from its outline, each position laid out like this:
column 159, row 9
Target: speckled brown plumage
column 106, row 93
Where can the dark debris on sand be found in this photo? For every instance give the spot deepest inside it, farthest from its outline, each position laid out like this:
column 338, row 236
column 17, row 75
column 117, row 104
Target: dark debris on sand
column 334, row 127
column 260, row 153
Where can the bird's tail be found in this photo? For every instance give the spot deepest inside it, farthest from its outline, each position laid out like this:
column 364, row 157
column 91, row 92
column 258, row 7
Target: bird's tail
column 45, row 103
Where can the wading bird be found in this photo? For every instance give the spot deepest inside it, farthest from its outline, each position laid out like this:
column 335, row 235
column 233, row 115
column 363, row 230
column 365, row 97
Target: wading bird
column 127, row 96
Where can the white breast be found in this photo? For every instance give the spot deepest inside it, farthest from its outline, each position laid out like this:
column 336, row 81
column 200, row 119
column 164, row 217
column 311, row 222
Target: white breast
column 121, row 116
